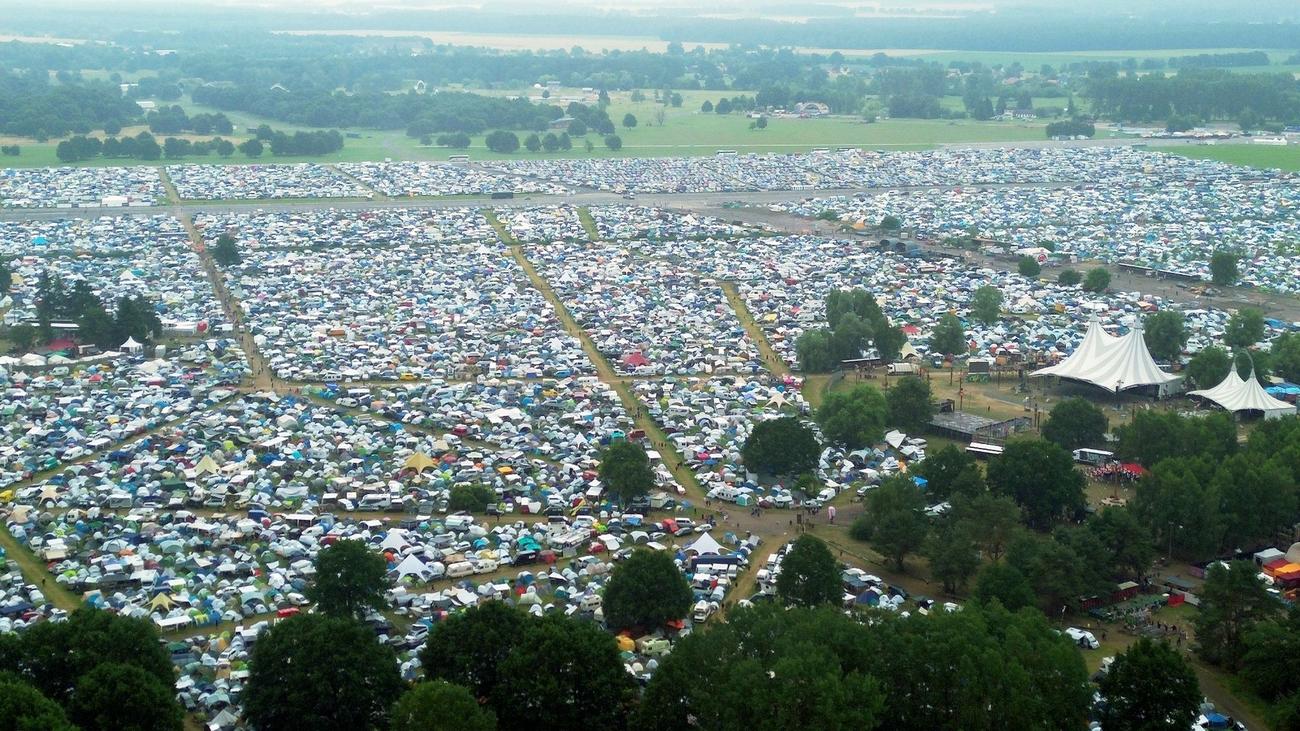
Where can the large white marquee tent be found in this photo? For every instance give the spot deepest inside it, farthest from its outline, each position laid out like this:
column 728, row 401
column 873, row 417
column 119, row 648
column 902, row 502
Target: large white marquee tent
column 1235, row 394
column 1113, row 363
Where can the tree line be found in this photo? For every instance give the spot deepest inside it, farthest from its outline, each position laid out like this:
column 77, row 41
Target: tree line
column 1203, row 94
column 145, row 147
column 32, row 106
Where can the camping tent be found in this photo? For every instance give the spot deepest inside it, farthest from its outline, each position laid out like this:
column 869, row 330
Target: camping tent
column 1115, row 364
column 419, row 462
column 1235, row 394
column 132, row 347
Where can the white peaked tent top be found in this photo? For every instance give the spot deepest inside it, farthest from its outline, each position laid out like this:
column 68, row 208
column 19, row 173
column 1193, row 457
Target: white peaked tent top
column 1115, row 364
column 411, row 566
column 705, row 546
column 1235, row 394
column 131, row 344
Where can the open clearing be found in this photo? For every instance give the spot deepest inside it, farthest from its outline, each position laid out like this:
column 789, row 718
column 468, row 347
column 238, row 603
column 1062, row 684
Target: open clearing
column 1256, row 156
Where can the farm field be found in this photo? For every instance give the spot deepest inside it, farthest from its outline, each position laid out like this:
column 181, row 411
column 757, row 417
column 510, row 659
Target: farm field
column 1257, row 156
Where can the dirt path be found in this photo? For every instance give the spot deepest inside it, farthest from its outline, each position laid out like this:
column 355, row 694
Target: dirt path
column 771, row 359
column 173, row 196
column 588, row 223
column 378, row 196
column 263, row 378
column 35, row 572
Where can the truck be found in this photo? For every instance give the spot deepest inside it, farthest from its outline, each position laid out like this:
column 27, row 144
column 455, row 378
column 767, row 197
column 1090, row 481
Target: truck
column 902, row 369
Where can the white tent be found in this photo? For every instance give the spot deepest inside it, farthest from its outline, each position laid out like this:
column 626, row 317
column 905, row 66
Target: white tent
column 1115, row 364
column 1235, row 394
column 131, row 346
column 411, row 566
column 705, row 545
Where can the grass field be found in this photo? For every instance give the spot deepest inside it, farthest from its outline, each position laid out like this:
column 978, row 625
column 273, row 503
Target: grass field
column 1256, row 156
column 684, row 131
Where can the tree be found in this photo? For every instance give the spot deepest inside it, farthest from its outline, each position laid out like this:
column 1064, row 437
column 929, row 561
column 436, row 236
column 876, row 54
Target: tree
column 1245, row 328
column 1233, row 601
column 992, row 521
column 706, row 107
column 629, row 120
column 815, row 351
column 855, row 418
column 784, row 446
column 532, row 142
column 891, row 223
column 986, row 305
column 911, row 405
column 1127, row 541
column 550, row 142
column 1285, row 356
column 894, row 523
column 320, row 672
column 23, row 708
column 1209, row 367
column 953, row 557
column 723, row 106
column 439, row 706
column 350, row 580
column 501, row 141
column 54, row 656
column 614, row 142
column 1097, row 280
column 647, row 590
column 1041, row 478
column 1153, row 436
column 473, row 498
column 577, row 128
column 1004, row 584
column 809, row 574
column 946, row 469
column 226, row 251
column 468, row 648
column 23, row 337
column 1028, row 266
column 563, row 674
column 1075, row 422
column 760, row 123
column 625, row 470
column 1223, row 268
column 1271, row 664
column 1069, row 277
column 811, row 668
column 225, row 148
column 117, row 695
column 251, row 147
column 1165, row 335
column 948, row 337
column 1149, row 687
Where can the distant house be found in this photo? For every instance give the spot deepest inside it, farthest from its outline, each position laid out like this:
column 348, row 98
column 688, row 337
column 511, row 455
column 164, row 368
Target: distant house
column 147, row 105
column 561, row 124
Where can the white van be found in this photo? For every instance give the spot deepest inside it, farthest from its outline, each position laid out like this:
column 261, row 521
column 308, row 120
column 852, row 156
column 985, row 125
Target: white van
column 1082, row 638
column 377, row 501
column 590, row 603
column 459, row 569
column 485, row 566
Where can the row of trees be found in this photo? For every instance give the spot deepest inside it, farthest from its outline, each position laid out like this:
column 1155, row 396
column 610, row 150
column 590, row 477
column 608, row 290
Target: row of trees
column 133, row 317
column 505, row 143
column 32, row 106
column 855, row 322
column 1201, row 94
column 173, row 120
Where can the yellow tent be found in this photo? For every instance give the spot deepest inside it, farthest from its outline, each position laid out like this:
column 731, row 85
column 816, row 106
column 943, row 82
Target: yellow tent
column 207, row 465
column 625, row 643
column 420, row 462
column 161, row 601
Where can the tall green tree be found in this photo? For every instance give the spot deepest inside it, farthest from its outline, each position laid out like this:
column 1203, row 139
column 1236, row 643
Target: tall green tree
column 1129, row 543
column 1209, row 367
column 854, row 418
column 23, row 708
column 991, row 520
column 948, row 338
column 1271, row 663
column 647, row 590
column 1233, row 602
column 1285, row 354
column 563, row 674
column 439, row 706
column 911, row 404
column 226, row 251
column 1245, row 328
column 784, row 446
column 1152, row 436
column 1069, row 277
column 321, row 672
column 1165, row 334
column 809, row 574
column 350, row 580
column 625, row 470
column 950, row 471
column 986, row 305
column 953, row 556
column 1150, row 687
column 1223, row 268
column 1041, row 478
column 121, row 696
column 1004, row 584
column 771, row 669
column 815, row 351
column 469, row 647
column 1028, row 266
column 1075, row 422
column 894, row 523
column 1096, row 280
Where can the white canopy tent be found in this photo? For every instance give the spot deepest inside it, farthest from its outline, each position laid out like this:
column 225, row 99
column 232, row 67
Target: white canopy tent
column 1113, row 363
column 1235, row 394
